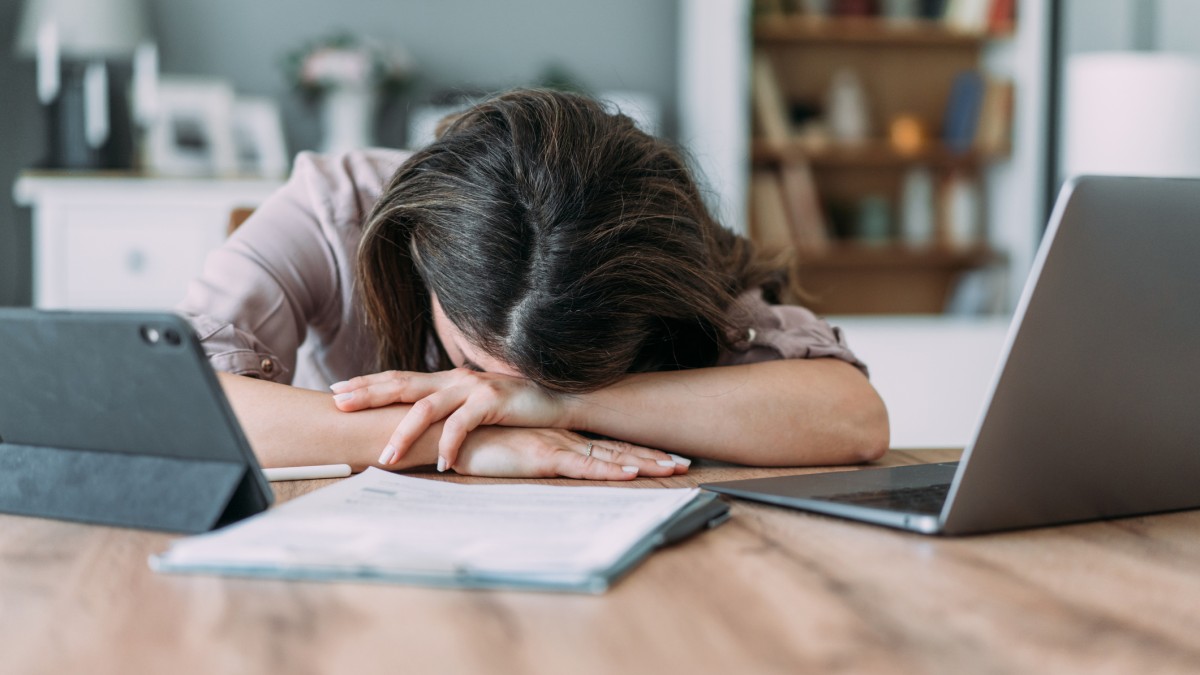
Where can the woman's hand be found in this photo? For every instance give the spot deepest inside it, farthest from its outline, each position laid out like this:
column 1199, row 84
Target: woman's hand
column 465, row 398
column 506, row 452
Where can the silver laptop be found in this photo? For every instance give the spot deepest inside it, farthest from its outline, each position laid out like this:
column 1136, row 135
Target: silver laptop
column 1094, row 411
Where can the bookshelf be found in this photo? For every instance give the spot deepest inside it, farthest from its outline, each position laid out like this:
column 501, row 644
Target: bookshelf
column 851, row 228
column 872, row 153
column 780, row 27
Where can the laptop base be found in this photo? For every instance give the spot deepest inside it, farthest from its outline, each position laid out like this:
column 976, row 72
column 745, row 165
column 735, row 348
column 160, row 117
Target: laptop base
column 902, row 497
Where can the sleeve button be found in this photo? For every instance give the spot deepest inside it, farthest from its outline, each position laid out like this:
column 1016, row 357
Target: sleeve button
column 268, row 366
column 751, row 334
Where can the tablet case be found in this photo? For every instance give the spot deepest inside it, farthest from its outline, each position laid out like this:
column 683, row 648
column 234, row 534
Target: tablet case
column 117, row 418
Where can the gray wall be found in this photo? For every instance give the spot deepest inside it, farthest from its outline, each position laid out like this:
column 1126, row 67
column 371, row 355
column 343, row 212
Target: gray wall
column 1178, row 25
column 20, row 146
column 486, row 44
column 1119, row 25
column 1153, row 25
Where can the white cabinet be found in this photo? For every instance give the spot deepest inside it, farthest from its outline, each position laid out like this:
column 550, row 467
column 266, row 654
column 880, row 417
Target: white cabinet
column 122, row 242
column 934, row 373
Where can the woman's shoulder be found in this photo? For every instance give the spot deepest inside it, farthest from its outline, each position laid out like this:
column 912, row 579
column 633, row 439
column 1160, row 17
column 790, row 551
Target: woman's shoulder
column 344, row 187
column 764, row 332
column 365, row 165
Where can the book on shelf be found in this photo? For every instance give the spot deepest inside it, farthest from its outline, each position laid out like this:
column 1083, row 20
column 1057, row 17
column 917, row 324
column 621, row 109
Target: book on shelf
column 1002, row 17
column 769, row 226
column 995, row 17
column 803, row 207
column 785, row 211
column 378, row 526
column 770, row 107
column 854, row 8
column 977, row 17
column 931, row 9
column 968, row 16
column 769, row 8
column 994, row 132
column 962, row 111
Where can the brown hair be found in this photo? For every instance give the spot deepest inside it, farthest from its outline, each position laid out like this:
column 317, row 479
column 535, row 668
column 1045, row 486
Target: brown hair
column 559, row 239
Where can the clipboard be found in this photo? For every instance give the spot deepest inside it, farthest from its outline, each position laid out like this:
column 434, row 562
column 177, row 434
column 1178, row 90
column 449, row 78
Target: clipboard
column 117, row 418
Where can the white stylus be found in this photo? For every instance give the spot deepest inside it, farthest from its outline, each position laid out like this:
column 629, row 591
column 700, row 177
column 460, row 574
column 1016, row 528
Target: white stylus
column 307, row 472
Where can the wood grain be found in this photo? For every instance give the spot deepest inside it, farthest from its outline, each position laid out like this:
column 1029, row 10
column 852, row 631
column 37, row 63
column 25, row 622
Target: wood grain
column 771, row 591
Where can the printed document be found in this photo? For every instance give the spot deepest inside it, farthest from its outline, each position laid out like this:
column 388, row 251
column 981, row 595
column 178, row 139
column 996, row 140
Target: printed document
column 382, row 526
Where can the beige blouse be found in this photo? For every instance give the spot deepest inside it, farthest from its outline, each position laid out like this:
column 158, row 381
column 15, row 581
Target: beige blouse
column 276, row 301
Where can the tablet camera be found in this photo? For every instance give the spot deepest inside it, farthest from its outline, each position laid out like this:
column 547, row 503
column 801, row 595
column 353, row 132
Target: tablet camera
column 151, row 335
column 155, row 336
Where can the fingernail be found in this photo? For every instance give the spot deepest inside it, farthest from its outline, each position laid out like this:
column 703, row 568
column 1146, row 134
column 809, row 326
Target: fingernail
column 389, row 454
column 339, row 387
column 679, row 460
column 441, row 463
column 629, row 469
column 665, row 462
column 342, row 398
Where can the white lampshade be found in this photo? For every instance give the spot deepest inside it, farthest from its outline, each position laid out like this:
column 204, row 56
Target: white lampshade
column 1133, row 114
column 85, row 28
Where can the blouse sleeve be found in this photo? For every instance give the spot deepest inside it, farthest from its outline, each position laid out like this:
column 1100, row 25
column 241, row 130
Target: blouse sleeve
column 283, row 271
column 769, row 332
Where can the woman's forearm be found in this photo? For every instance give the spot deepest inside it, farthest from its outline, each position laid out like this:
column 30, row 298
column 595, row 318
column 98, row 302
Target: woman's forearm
column 288, row 426
column 788, row 412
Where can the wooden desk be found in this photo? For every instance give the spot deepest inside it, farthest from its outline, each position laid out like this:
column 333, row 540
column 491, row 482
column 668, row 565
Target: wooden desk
column 771, row 591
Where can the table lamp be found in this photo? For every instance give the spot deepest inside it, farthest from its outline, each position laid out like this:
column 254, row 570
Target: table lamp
column 1132, row 114
column 74, row 41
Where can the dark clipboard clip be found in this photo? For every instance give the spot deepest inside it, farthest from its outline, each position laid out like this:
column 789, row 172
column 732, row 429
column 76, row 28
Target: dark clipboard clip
column 707, row 512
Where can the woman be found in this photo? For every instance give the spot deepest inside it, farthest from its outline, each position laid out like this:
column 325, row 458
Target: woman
column 542, row 269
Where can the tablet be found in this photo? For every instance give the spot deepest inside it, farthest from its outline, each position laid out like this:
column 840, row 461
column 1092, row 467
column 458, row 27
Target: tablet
column 118, row 418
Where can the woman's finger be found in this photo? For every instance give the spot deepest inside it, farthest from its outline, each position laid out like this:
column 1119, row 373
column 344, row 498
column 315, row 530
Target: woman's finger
column 570, row 464
column 633, row 449
column 657, row 456
column 661, row 466
column 381, row 389
column 461, row 422
column 419, row 418
column 363, row 381
column 681, row 463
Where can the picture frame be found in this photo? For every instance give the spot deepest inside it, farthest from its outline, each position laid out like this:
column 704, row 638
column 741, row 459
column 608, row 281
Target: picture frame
column 192, row 130
column 258, row 137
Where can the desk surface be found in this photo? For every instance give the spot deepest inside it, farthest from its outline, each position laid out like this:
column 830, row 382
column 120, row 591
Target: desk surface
column 772, row 590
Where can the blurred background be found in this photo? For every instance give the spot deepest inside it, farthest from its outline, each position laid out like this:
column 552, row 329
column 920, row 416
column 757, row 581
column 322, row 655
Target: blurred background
column 906, row 152
column 472, row 45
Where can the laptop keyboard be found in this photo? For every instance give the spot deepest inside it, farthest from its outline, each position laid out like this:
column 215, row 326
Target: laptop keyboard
column 926, row 499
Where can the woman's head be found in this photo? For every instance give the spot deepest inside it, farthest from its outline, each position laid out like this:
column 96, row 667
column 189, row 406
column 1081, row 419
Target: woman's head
column 558, row 239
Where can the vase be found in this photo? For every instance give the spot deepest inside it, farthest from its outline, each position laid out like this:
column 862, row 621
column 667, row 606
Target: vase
column 849, row 118
column 347, row 119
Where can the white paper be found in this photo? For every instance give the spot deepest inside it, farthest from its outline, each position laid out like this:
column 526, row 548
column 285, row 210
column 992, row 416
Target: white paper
column 382, row 523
